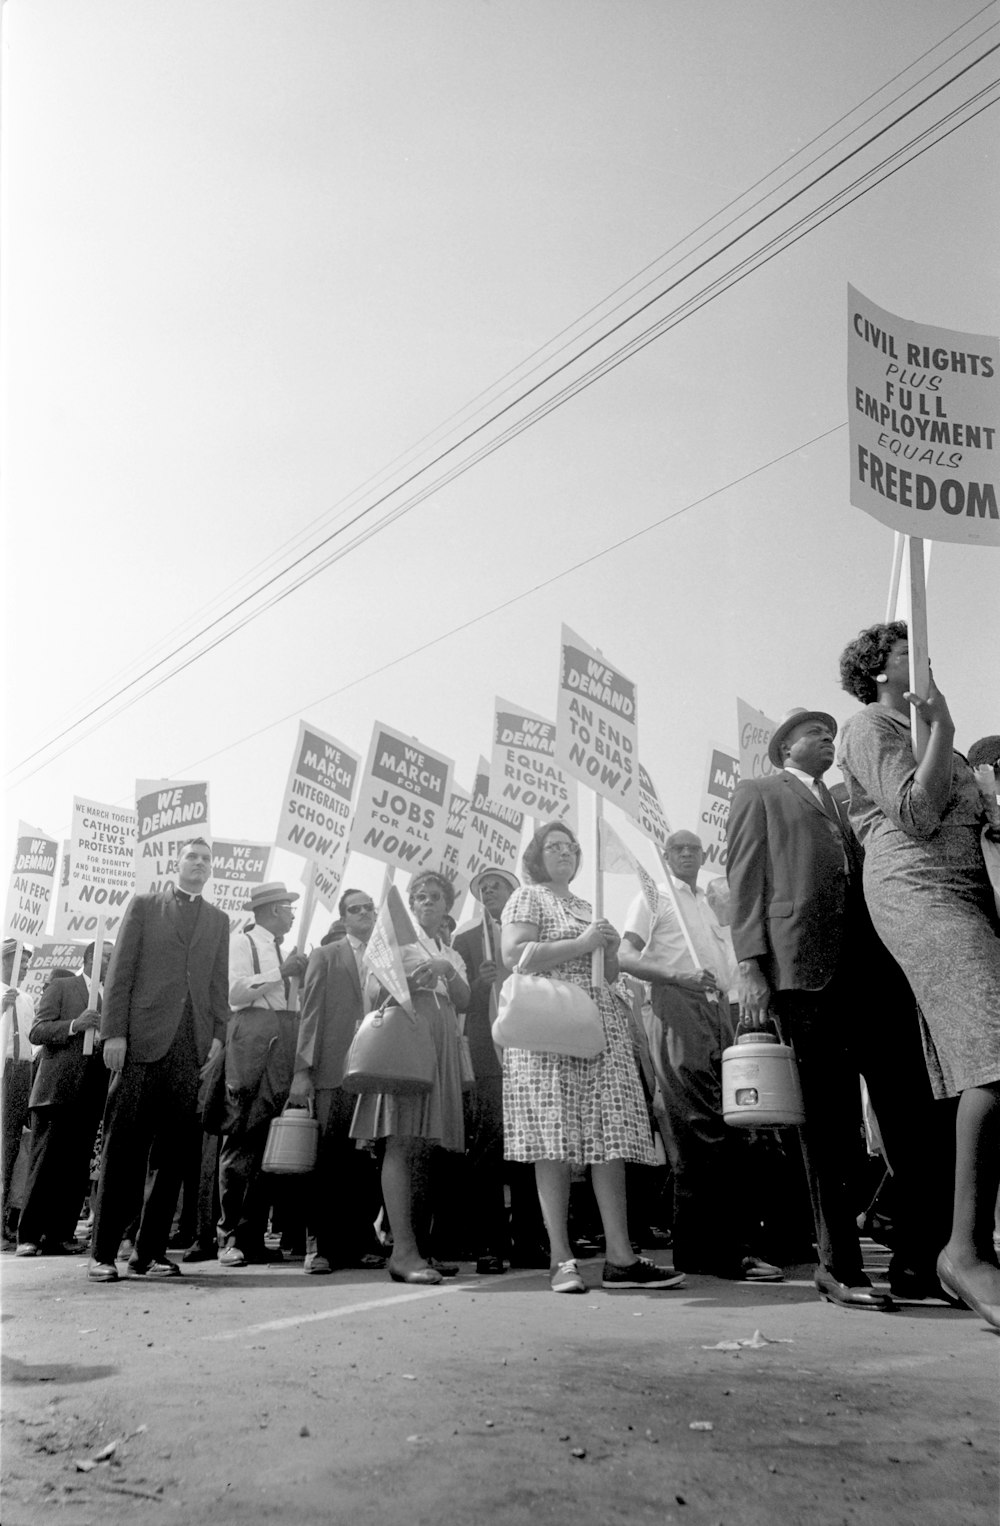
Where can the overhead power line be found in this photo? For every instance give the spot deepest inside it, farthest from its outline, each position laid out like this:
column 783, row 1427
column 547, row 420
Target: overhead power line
column 686, row 309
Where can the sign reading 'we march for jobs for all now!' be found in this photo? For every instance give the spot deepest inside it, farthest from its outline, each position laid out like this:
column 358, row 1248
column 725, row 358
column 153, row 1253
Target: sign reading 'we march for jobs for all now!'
column 596, row 724
column 403, row 802
column 924, row 411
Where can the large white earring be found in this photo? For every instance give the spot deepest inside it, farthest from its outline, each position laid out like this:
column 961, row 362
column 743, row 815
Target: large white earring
column 881, row 678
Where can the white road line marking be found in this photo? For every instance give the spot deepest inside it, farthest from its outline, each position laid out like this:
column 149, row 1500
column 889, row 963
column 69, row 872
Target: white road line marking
column 388, row 1302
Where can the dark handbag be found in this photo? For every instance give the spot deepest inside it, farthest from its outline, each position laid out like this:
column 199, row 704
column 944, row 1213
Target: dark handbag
column 392, row 1052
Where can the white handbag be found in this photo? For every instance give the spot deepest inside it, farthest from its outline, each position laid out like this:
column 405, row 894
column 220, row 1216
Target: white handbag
column 547, row 1016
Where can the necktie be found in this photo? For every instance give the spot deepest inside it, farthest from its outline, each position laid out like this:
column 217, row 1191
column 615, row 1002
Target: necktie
column 284, row 978
column 17, row 1035
column 826, row 800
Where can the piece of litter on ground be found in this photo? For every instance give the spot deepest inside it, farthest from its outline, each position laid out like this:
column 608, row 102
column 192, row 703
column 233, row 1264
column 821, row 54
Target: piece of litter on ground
column 106, row 1452
column 91, row 1330
column 303, row 1430
column 754, row 1343
column 410, row 1377
column 83, row 1464
column 578, row 1452
column 700, row 1425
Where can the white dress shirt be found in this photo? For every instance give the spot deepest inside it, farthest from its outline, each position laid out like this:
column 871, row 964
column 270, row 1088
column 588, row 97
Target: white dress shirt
column 24, row 1014
column 246, row 988
column 665, row 942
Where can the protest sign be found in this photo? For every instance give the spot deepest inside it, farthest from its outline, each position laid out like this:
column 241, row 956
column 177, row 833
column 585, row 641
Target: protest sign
column 618, row 858
column 32, row 881
column 755, row 731
column 523, row 770
column 650, row 817
column 454, row 836
column 170, row 812
column 403, row 802
column 46, row 958
column 101, row 877
column 596, row 738
column 924, row 411
column 236, row 868
column 721, row 779
column 315, row 816
column 493, row 833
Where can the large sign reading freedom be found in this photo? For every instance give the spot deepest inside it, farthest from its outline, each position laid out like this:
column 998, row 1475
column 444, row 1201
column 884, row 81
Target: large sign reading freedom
column 924, row 411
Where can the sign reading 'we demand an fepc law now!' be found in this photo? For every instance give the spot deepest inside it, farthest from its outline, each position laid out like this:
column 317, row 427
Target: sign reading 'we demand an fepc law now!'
column 924, row 421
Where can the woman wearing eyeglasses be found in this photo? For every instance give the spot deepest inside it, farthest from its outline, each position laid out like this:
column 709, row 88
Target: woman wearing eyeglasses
column 561, row 1111
column 412, row 1125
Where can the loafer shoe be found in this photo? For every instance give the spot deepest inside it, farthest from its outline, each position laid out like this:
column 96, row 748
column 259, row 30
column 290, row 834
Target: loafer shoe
column 565, row 1277
column 316, row 1265
column 102, row 1271
column 641, row 1274
column 159, row 1270
column 753, row 1269
column 954, row 1283
column 231, row 1255
column 28, row 1248
column 848, row 1296
column 490, row 1266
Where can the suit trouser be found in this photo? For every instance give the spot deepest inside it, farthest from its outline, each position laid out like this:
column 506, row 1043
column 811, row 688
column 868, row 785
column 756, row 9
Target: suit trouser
column 838, row 1034
column 62, row 1138
column 16, row 1090
column 713, row 1224
column 147, row 1121
column 485, row 1207
column 260, row 1058
column 344, row 1193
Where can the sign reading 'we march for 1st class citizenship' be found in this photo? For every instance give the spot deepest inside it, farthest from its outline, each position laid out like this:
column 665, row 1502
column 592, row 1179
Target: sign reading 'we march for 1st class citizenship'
column 523, row 770
column 924, row 414
column 315, row 816
column 596, row 737
column 403, row 802
column 169, row 813
column 236, row 868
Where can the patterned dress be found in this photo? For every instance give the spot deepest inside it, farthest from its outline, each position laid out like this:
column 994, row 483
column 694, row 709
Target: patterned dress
column 558, row 1107
column 929, row 896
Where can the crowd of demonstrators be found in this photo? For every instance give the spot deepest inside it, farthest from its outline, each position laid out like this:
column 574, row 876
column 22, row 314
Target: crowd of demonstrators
column 931, row 900
column 859, row 921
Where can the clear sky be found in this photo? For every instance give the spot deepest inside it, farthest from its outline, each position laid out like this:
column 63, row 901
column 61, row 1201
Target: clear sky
column 253, row 252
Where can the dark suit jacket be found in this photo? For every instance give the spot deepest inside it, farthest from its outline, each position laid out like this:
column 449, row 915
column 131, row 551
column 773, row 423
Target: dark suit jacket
column 478, row 1021
column 792, row 905
column 152, row 971
column 64, row 1074
column 331, row 1010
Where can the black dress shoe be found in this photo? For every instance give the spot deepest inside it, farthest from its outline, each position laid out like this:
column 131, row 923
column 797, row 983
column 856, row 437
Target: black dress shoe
column 490, row 1266
column 155, row 1270
column 914, row 1286
column 851, row 1296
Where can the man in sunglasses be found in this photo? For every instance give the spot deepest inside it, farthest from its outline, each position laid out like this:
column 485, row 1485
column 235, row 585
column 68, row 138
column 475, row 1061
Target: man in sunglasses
column 345, row 1196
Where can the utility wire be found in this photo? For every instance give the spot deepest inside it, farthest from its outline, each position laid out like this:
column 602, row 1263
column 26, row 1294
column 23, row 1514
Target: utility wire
column 609, row 363
column 356, row 493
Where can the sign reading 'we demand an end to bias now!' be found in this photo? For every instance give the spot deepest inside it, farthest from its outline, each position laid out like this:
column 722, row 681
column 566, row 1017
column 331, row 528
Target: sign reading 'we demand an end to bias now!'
column 596, row 740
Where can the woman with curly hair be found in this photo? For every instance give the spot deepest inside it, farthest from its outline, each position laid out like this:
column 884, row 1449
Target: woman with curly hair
column 561, row 1111
column 930, row 900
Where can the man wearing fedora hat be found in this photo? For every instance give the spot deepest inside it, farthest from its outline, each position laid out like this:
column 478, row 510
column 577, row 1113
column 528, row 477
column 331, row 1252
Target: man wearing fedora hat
column 807, row 950
column 260, row 1058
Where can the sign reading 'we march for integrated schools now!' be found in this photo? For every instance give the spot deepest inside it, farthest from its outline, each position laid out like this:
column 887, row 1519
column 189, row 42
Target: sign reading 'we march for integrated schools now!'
column 403, row 802
column 169, row 812
column 315, row 816
column 523, row 770
column 596, row 737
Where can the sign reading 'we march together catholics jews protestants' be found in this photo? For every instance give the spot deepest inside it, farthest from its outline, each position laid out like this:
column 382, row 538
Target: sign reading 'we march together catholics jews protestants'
column 924, row 413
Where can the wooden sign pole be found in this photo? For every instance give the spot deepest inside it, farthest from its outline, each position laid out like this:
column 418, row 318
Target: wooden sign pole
column 305, row 922
column 95, row 982
column 597, row 957
column 892, row 602
column 919, row 661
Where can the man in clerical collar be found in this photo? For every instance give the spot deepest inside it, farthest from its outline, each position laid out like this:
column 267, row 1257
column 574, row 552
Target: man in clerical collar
column 163, row 1020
